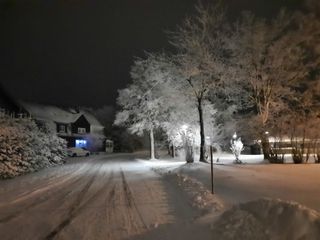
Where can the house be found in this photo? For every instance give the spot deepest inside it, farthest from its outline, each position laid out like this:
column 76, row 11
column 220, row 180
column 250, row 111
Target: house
column 78, row 127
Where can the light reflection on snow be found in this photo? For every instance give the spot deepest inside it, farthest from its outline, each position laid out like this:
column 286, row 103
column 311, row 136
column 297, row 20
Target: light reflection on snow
column 162, row 163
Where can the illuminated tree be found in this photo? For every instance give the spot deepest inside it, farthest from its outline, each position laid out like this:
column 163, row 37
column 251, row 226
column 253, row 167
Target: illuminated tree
column 271, row 60
column 143, row 105
column 202, row 44
column 236, row 147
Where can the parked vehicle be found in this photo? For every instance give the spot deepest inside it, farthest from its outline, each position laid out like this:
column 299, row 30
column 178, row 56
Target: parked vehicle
column 78, row 152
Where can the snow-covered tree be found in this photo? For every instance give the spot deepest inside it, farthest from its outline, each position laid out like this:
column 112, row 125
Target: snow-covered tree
column 271, row 60
column 156, row 99
column 305, row 104
column 236, row 147
column 202, row 46
column 304, row 118
column 182, row 123
column 251, row 69
column 142, row 104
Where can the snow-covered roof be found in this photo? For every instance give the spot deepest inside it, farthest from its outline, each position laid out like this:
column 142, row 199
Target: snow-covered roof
column 59, row 115
column 91, row 119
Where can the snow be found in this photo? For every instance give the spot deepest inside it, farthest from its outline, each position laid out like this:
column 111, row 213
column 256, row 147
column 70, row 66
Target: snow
column 59, row 115
column 50, row 113
column 238, row 183
column 268, row 219
column 117, row 197
column 227, row 158
column 236, row 147
column 254, row 179
column 100, row 197
column 26, row 148
column 199, row 196
column 258, row 200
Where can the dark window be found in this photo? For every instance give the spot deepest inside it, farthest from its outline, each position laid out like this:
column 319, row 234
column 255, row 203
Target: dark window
column 81, row 130
column 62, row 128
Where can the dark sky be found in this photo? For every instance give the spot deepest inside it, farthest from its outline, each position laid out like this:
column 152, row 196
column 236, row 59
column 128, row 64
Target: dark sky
column 79, row 52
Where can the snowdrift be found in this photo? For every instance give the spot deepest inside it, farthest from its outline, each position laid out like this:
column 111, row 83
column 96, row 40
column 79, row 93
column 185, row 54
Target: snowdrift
column 268, row 219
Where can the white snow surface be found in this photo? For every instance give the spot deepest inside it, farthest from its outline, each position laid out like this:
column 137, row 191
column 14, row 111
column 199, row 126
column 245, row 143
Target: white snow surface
column 197, row 194
column 259, row 200
column 117, row 197
column 60, row 115
column 51, row 113
column 268, row 219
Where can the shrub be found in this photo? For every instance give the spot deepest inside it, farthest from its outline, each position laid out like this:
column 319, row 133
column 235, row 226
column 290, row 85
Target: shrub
column 24, row 147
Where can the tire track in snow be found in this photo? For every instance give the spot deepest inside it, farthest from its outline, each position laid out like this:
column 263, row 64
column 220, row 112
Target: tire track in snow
column 77, row 208
column 110, row 210
column 41, row 200
column 130, row 203
column 51, row 181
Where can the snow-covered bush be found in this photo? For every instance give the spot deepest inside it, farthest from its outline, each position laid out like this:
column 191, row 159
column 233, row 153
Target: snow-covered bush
column 24, row 147
column 236, row 147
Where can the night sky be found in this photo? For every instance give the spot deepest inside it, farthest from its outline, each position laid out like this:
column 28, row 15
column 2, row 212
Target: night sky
column 79, row 52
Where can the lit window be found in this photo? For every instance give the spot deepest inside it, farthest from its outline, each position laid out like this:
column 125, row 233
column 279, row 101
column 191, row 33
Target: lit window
column 80, row 143
column 82, row 130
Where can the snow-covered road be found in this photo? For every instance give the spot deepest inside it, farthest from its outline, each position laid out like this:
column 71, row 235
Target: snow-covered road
column 100, row 197
column 117, row 197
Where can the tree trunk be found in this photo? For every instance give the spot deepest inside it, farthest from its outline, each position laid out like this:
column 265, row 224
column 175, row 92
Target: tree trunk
column 265, row 146
column 151, row 144
column 202, row 137
column 173, row 154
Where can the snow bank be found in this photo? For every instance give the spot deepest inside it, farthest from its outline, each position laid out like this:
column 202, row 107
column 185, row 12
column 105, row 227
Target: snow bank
column 228, row 158
column 198, row 195
column 268, row 219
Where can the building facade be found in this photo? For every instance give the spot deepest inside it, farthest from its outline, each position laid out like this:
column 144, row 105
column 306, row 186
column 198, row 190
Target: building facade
column 79, row 128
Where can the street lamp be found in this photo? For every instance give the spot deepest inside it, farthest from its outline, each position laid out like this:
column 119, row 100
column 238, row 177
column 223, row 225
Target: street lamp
column 234, row 136
column 184, row 127
column 208, row 140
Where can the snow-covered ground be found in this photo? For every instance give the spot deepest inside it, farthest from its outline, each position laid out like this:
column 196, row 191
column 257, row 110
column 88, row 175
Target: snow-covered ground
column 261, row 200
column 227, row 158
column 265, row 219
column 117, row 197
column 99, row 197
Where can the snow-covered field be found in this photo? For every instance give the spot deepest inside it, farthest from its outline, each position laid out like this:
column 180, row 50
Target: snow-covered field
column 260, row 200
column 117, row 197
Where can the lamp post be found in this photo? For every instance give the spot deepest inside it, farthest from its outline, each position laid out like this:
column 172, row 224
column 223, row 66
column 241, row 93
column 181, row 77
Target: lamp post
column 211, row 164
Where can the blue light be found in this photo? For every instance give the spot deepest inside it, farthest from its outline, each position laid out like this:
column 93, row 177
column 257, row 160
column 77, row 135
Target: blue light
column 80, row 143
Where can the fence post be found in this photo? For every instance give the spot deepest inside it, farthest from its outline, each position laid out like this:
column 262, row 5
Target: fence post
column 211, row 160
